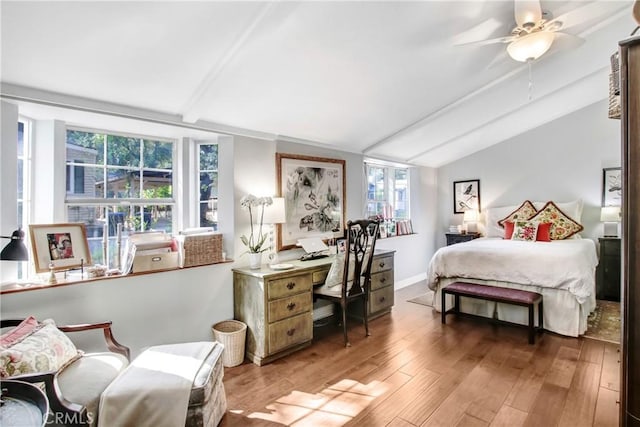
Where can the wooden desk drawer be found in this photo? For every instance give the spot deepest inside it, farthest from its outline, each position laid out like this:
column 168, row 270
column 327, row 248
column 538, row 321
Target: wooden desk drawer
column 290, row 306
column 382, row 264
column 381, row 299
column 280, row 288
column 382, row 279
column 288, row 332
column 318, row 277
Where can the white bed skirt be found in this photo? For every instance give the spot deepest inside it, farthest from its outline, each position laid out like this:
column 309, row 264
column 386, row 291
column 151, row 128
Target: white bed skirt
column 562, row 312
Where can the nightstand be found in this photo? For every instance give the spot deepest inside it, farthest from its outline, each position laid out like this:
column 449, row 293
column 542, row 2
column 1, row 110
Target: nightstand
column 608, row 271
column 453, row 238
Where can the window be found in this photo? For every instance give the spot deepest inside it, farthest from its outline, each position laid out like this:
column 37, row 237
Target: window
column 387, row 191
column 208, row 184
column 118, row 182
column 24, row 167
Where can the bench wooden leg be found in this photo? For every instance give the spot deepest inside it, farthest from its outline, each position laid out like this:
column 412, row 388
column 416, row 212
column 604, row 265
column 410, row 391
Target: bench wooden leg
column 540, row 317
column 443, row 309
column 532, row 328
column 456, row 306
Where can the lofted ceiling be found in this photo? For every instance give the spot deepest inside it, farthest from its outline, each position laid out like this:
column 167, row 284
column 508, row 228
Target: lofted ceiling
column 393, row 80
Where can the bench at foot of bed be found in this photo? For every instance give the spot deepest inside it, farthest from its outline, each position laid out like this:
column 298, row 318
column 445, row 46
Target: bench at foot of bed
column 494, row 293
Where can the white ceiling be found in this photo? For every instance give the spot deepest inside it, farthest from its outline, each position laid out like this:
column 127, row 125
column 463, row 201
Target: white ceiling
column 388, row 79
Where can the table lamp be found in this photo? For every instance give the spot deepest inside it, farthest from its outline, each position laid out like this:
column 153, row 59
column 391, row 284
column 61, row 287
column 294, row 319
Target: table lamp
column 469, row 220
column 15, row 249
column 610, row 215
column 274, row 214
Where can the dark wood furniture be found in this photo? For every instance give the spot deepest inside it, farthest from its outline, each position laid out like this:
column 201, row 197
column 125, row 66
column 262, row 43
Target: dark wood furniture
column 453, row 238
column 58, row 402
column 264, row 298
column 493, row 293
column 630, row 121
column 608, row 272
column 356, row 277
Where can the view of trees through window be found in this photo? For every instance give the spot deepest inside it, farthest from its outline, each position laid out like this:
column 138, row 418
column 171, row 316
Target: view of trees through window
column 208, row 185
column 387, row 191
column 118, row 182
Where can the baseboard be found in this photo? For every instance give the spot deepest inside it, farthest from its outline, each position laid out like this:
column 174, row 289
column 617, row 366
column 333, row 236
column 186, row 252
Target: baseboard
column 410, row 281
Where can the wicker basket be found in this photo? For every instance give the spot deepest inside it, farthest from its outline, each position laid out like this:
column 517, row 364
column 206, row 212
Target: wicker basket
column 202, row 249
column 231, row 334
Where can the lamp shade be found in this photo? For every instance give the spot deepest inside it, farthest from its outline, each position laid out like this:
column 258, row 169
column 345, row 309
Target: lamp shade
column 470, row 215
column 527, row 12
column 274, row 213
column 532, row 46
column 610, row 214
column 15, row 249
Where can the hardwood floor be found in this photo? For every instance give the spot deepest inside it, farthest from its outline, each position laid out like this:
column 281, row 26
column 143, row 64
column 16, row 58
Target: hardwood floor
column 413, row 371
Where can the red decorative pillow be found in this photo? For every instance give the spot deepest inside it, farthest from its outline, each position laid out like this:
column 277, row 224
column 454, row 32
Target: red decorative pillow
column 508, row 230
column 523, row 213
column 25, row 328
column 544, row 232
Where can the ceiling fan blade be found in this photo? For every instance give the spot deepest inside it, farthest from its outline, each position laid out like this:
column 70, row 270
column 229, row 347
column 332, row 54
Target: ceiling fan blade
column 586, row 14
column 527, row 13
column 507, row 39
column 563, row 42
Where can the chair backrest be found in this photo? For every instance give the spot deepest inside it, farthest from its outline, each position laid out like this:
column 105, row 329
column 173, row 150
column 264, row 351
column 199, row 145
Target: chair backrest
column 361, row 242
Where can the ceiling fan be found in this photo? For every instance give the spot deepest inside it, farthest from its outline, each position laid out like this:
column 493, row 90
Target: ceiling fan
column 534, row 32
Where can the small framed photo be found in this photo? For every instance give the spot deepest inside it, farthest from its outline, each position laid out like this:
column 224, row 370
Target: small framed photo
column 466, row 196
column 342, row 245
column 611, row 187
column 383, row 231
column 64, row 246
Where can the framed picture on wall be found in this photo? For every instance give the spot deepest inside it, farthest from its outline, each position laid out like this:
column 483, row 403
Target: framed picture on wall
column 611, row 187
column 466, row 196
column 313, row 189
column 61, row 246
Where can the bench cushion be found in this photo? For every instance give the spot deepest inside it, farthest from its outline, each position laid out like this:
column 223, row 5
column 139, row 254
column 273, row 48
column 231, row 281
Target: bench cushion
column 485, row 291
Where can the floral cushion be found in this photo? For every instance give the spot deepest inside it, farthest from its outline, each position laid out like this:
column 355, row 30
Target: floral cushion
column 25, row 328
column 524, row 212
column 525, row 230
column 562, row 226
column 45, row 349
column 336, row 271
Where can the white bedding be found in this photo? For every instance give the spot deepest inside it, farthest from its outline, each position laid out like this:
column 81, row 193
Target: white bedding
column 563, row 271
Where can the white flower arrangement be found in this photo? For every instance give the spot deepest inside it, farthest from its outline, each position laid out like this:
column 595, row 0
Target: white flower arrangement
column 254, row 243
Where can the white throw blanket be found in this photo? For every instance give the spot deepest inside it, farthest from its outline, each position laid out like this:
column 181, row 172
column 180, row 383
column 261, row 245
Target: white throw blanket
column 565, row 264
column 154, row 390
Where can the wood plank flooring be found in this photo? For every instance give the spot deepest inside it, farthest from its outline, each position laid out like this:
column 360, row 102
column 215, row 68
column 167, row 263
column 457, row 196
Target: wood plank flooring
column 413, row 371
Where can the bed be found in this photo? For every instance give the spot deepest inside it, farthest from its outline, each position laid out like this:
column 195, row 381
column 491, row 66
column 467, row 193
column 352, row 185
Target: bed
column 563, row 271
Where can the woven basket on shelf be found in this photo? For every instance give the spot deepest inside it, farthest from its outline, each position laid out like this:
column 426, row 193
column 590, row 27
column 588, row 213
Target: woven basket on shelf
column 231, row 334
column 202, row 249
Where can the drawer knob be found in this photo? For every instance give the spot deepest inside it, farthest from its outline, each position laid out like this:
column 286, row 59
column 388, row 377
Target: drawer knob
column 381, row 264
column 291, row 285
column 384, row 279
column 291, row 306
column 292, row 331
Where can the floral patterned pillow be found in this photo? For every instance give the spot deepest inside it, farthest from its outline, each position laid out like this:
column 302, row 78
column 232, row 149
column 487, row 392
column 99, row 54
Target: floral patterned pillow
column 45, row 349
column 525, row 230
column 562, row 226
column 524, row 212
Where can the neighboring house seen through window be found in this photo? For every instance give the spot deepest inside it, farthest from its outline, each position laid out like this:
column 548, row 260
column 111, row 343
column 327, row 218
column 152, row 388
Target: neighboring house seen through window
column 387, row 191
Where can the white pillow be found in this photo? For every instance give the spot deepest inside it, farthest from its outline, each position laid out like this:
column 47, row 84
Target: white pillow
column 336, row 271
column 492, row 216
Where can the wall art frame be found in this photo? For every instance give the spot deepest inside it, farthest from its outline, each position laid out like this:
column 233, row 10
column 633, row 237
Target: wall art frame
column 466, row 195
column 64, row 246
column 612, row 186
column 314, row 193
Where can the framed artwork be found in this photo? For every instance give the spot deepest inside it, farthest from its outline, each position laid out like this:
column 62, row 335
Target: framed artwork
column 64, row 246
column 466, row 196
column 342, row 245
column 313, row 189
column 611, row 187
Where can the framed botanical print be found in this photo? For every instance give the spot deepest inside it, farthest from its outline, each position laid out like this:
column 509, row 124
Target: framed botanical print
column 59, row 246
column 611, row 187
column 313, row 189
column 466, row 196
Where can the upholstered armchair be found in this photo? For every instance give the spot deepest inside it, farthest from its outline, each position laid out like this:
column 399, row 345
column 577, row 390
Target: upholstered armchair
column 74, row 387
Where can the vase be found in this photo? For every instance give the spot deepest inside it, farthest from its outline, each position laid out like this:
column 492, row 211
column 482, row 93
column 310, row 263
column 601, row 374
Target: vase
column 255, row 260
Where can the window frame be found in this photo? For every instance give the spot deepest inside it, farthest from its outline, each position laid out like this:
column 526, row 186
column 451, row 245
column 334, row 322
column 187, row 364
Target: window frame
column 389, row 190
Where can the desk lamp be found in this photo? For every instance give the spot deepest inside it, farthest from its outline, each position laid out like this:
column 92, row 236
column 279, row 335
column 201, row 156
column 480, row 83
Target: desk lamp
column 15, row 249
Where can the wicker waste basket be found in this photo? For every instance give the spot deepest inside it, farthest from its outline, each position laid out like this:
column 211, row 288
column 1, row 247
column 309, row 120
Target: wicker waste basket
column 231, row 334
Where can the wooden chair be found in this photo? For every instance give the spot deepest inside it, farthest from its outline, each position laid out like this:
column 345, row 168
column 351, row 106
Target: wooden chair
column 353, row 270
column 74, row 390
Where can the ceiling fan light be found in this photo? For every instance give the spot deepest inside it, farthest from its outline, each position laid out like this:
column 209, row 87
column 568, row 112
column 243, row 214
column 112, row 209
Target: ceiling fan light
column 527, row 13
column 530, row 47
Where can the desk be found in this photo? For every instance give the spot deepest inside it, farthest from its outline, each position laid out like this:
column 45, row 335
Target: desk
column 277, row 306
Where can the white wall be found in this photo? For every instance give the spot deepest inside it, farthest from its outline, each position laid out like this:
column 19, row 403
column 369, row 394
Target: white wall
column 180, row 306
column 560, row 161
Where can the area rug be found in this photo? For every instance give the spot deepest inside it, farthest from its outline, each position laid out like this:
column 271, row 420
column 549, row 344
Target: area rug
column 425, row 299
column 604, row 322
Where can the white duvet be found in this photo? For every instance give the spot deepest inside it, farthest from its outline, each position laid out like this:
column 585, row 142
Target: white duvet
column 565, row 264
